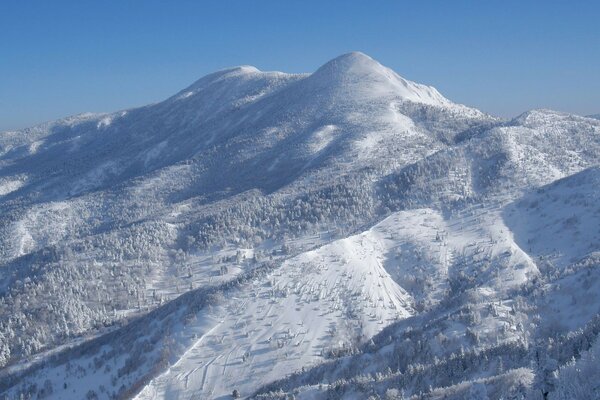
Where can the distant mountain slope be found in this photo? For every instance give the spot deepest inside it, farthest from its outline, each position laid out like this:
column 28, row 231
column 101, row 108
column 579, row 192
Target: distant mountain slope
column 257, row 224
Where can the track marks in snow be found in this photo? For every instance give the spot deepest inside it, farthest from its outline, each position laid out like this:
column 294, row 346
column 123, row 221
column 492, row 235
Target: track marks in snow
column 321, row 301
column 326, row 300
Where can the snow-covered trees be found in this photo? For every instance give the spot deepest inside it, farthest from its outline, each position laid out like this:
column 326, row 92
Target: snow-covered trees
column 128, row 224
column 4, row 350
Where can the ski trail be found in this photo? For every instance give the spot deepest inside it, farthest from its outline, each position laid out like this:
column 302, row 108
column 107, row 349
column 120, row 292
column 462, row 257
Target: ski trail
column 206, row 368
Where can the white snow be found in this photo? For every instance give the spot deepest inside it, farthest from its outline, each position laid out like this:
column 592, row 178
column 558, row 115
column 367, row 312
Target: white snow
column 377, row 202
column 329, row 299
column 10, row 185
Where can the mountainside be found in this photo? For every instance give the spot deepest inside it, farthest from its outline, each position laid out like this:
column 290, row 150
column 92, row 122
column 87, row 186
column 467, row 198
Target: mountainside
column 341, row 234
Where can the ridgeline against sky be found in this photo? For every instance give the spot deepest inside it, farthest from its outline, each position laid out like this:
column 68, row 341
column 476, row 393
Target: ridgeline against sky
column 62, row 58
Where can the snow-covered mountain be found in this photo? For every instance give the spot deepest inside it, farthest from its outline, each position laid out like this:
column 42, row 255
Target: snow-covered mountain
column 341, row 234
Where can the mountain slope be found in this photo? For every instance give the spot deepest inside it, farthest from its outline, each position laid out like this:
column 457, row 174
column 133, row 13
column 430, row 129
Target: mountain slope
column 147, row 183
column 257, row 224
column 509, row 311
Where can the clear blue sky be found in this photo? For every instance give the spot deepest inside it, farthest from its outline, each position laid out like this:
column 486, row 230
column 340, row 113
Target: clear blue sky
column 59, row 58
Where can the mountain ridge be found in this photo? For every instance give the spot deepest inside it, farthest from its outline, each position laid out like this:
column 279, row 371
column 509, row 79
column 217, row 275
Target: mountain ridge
column 261, row 222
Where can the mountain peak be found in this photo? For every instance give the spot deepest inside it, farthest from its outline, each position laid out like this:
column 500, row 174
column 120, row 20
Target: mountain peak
column 242, row 72
column 354, row 63
column 353, row 58
column 239, row 70
column 366, row 77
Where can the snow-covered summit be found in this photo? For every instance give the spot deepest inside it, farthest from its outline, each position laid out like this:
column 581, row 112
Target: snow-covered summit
column 365, row 77
column 240, row 73
column 231, row 84
column 552, row 121
column 350, row 77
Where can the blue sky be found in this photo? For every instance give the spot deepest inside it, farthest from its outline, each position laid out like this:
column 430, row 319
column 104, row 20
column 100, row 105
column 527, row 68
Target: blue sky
column 59, row 58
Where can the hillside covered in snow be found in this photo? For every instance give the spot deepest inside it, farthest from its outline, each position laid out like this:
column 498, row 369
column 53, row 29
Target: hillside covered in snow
column 342, row 234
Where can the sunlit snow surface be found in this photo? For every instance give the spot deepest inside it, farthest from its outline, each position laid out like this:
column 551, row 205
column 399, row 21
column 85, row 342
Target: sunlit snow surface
column 341, row 233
